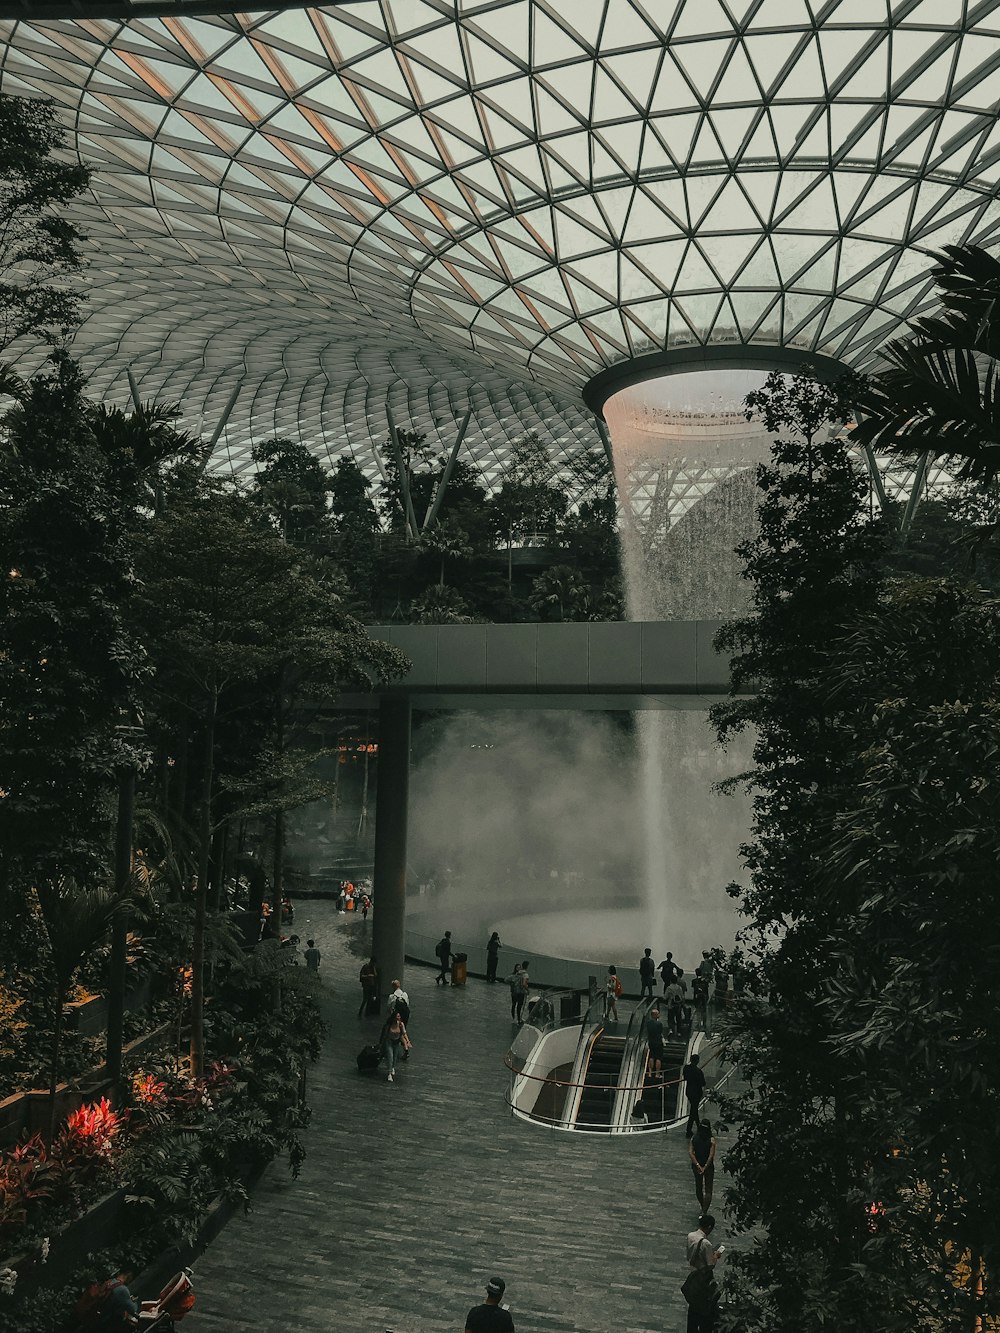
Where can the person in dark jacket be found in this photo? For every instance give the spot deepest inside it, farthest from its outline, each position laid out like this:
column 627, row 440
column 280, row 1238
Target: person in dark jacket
column 694, row 1086
column 369, row 987
column 647, row 974
column 444, row 955
column 492, row 956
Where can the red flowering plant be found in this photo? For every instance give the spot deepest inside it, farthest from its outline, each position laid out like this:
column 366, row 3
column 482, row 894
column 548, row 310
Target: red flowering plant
column 165, row 1095
column 26, row 1181
column 82, row 1152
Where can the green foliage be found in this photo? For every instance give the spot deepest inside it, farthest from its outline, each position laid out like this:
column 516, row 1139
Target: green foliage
column 70, row 663
column 39, row 247
column 941, row 391
column 867, row 1034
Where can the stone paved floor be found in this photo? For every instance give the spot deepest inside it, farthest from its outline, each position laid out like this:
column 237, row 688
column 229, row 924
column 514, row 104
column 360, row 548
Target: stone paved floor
column 414, row 1192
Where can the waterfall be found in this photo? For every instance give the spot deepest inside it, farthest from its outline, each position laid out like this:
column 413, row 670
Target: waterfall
column 684, row 458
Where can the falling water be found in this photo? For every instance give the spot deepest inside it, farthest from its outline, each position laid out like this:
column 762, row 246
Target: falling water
column 684, row 457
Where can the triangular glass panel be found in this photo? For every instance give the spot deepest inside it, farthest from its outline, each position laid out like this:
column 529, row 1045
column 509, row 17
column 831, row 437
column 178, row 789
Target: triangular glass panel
column 701, row 62
column 769, row 54
column 661, row 259
column 506, row 25
column 552, row 44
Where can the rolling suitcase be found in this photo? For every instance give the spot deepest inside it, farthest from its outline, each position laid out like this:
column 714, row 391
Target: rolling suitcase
column 369, row 1059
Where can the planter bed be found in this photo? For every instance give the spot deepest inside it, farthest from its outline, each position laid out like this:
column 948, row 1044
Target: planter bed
column 30, row 1111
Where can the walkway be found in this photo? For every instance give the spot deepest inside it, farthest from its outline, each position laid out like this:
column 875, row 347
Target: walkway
column 413, row 1193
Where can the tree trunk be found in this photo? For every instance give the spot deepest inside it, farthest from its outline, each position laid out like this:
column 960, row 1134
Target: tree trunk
column 510, row 567
column 57, row 1027
column 441, row 577
column 201, row 889
column 119, row 924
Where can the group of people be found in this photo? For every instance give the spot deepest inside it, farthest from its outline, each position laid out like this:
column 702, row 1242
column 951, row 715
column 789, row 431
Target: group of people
column 394, row 1044
column 355, row 897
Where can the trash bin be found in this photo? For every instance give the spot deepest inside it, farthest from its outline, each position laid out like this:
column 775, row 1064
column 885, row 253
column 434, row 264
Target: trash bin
column 460, row 969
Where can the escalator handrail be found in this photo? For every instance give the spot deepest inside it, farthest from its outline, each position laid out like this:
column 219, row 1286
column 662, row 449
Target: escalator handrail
column 635, row 1042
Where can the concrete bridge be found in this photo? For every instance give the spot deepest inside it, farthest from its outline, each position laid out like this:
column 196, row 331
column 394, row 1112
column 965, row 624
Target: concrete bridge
column 589, row 665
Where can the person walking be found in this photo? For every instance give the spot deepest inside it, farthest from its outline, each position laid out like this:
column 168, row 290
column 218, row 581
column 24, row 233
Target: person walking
column 647, row 974
column 492, row 956
column 654, row 1038
column 612, row 990
column 444, row 956
column 398, row 1002
column 516, row 993
column 701, row 1150
column 701, row 1290
column 368, row 976
column 393, row 1042
column 490, row 1317
column 694, row 1086
column 312, row 956
column 674, row 999
column 366, row 904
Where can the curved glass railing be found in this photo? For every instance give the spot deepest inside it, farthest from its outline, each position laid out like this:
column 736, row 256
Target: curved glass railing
column 539, row 1094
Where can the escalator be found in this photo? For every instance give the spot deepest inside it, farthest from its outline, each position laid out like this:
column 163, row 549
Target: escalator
column 597, row 1099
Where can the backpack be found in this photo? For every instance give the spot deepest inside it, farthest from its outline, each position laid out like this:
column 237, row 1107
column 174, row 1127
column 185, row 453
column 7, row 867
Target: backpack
column 618, row 988
column 443, row 950
column 402, row 1008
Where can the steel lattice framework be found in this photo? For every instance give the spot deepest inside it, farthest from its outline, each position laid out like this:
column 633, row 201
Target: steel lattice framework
column 433, row 204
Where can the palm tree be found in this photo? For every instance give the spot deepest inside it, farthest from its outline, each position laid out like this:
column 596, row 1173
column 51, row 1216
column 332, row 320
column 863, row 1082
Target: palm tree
column 563, row 589
column 448, row 542
column 75, row 921
column 941, row 392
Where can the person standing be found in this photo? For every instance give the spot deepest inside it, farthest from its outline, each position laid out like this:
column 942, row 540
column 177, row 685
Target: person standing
column 490, row 1317
column 654, row 1037
column 398, row 1002
column 516, row 993
column 612, row 990
column 701, row 1150
column 444, row 956
column 368, row 976
column 366, row 904
column 668, row 971
column 694, row 1086
column 394, row 1041
column 492, row 956
column 702, row 1256
column 647, row 974
column 312, row 956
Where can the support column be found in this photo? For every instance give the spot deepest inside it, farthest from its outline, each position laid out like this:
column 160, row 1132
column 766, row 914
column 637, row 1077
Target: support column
column 391, row 802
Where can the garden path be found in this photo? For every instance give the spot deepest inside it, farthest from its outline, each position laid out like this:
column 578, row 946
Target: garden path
column 413, row 1193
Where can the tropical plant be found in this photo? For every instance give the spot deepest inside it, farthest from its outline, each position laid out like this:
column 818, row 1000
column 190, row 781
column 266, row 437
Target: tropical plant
column 941, row 392
column 75, row 919
column 563, row 590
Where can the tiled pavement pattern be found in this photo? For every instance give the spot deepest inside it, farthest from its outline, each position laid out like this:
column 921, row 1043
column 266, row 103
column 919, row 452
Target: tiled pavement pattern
column 414, row 1192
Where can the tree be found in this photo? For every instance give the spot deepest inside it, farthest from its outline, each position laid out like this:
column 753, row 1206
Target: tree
column 527, row 503
column 291, row 487
column 75, row 920
column 39, row 246
column 71, row 667
column 563, row 590
column 941, row 392
column 448, row 542
column 813, row 568
column 916, row 999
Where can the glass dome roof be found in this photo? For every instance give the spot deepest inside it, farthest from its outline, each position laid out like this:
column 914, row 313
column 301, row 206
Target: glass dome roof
column 431, row 204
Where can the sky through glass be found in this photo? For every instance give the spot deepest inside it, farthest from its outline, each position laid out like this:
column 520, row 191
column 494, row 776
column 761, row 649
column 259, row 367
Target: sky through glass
column 492, row 201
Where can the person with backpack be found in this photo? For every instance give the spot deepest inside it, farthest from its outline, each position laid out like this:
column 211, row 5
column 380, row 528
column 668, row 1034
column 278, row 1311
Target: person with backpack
column 612, row 993
column 674, row 998
column 444, row 956
column 647, row 974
